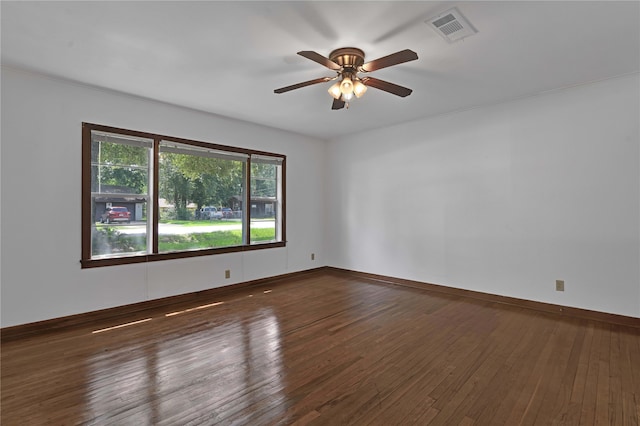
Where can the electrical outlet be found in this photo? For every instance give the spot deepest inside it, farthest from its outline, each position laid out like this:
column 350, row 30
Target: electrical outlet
column 313, row 256
column 559, row 285
column 227, row 273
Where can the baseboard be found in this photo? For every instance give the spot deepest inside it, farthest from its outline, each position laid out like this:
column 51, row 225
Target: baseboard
column 523, row 303
column 78, row 320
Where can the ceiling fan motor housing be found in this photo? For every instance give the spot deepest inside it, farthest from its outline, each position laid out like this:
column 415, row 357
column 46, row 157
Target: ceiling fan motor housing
column 348, row 57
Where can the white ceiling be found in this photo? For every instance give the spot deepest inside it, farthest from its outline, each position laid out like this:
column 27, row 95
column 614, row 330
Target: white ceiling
column 227, row 57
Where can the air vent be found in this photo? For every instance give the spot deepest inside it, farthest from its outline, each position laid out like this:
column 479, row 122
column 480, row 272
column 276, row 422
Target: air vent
column 451, row 25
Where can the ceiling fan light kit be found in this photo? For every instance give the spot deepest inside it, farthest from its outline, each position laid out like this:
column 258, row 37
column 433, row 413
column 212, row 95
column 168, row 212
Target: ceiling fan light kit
column 347, row 62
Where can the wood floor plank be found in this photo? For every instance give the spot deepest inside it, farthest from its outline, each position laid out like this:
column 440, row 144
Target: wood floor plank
column 533, row 385
column 556, row 404
column 590, row 399
column 323, row 349
column 615, row 379
column 629, row 372
column 603, row 387
column 504, row 385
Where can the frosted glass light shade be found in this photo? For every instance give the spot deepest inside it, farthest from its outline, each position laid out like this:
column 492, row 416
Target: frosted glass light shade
column 359, row 88
column 334, row 91
column 346, row 86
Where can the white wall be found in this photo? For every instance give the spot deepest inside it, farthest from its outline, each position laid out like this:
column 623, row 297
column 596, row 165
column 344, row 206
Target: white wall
column 40, row 176
column 502, row 199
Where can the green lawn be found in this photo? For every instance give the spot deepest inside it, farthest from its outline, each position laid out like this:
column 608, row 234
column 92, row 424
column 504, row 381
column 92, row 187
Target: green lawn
column 203, row 240
column 107, row 239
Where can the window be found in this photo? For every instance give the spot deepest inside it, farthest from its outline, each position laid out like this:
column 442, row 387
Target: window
column 149, row 197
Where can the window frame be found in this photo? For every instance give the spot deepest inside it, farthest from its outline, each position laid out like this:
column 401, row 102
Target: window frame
column 86, row 260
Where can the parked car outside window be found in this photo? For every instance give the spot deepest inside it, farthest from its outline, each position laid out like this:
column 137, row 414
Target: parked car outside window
column 209, row 212
column 116, row 214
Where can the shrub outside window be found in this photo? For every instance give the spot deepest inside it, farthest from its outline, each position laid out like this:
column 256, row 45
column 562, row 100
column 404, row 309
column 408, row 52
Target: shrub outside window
column 149, row 197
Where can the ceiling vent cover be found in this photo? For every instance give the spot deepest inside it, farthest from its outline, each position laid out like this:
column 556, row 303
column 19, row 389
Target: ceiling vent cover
column 451, row 25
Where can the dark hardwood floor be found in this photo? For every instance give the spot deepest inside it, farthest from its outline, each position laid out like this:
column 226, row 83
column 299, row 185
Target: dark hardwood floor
column 328, row 350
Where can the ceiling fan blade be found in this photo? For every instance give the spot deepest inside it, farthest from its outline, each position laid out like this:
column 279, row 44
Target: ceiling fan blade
column 387, row 61
column 322, row 60
column 303, row 84
column 387, row 87
column 337, row 104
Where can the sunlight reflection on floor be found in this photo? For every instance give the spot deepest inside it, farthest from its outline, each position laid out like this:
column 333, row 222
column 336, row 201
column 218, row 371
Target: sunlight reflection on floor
column 190, row 377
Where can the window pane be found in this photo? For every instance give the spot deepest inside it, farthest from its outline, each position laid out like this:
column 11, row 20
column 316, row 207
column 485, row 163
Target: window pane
column 266, row 199
column 199, row 191
column 119, row 195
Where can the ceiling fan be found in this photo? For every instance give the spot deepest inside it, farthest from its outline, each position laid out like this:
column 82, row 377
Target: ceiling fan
column 348, row 62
